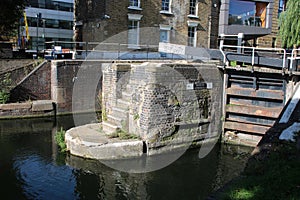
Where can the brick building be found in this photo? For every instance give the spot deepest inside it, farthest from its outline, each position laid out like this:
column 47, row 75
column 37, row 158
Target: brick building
column 196, row 23
column 256, row 19
column 193, row 23
column 272, row 39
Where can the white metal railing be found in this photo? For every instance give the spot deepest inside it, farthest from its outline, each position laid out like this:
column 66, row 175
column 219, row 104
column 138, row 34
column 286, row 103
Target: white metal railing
column 100, row 47
column 253, row 51
column 101, row 44
column 295, row 55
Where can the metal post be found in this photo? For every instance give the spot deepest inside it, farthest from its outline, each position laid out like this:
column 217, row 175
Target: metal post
column 38, row 17
column 147, row 52
column 240, row 42
column 221, row 49
column 119, row 47
column 86, row 49
column 37, row 34
column 44, row 36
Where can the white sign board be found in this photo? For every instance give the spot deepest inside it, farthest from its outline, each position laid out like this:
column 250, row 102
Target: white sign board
column 190, row 86
column 209, row 85
column 171, row 48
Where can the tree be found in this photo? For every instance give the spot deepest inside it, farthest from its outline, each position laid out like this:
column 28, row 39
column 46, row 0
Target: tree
column 289, row 24
column 11, row 12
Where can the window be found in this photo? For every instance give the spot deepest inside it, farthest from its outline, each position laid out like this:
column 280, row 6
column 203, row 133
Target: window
column 133, row 30
column 193, row 7
column 192, row 36
column 164, row 36
column 166, row 7
column 134, row 4
column 164, row 33
column 248, row 13
column 133, row 33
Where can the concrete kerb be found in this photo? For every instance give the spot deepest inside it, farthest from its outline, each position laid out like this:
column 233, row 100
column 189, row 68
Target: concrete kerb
column 89, row 141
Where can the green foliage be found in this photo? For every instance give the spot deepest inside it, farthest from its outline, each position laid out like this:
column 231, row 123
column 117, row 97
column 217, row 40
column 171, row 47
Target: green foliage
column 11, row 11
column 276, row 177
column 123, row 135
column 173, row 101
column 101, row 116
column 136, row 116
column 60, row 140
column 242, row 194
column 5, row 85
column 233, row 63
column 104, row 114
column 4, row 96
column 289, row 31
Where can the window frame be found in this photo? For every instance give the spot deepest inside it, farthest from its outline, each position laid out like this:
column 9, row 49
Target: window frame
column 195, row 7
column 134, row 18
column 192, row 40
column 164, row 11
column 135, row 7
column 167, row 29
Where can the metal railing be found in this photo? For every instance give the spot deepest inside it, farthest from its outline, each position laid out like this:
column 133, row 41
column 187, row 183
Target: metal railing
column 295, row 56
column 99, row 47
column 254, row 50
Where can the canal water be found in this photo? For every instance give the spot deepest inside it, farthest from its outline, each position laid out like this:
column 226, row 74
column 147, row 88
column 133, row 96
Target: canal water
column 32, row 167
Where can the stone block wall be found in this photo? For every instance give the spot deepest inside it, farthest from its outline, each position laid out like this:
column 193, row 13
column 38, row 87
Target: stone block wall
column 40, row 108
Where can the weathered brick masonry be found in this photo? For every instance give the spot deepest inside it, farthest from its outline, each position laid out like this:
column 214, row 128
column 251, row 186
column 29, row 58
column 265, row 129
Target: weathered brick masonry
column 171, row 103
column 64, row 74
column 35, row 87
column 55, row 81
column 93, row 25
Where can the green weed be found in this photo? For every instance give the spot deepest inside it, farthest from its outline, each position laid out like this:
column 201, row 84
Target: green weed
column 60, row 140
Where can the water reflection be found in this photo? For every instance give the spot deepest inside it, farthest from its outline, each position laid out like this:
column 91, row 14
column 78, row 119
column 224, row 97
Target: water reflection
column 187, row 178
column 33, row 168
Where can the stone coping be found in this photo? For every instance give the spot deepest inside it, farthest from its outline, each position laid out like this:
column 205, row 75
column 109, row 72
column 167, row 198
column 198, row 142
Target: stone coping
column 89, row 141
column 38, row 105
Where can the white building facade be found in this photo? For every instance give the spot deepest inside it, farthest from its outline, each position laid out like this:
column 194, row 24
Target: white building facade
column 49, row 20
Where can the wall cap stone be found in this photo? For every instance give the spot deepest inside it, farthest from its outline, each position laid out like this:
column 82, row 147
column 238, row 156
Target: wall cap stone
column 15, row 106
column 42, row 105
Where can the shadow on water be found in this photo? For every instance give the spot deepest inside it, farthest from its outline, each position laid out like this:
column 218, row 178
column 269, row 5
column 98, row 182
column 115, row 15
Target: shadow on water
column 33, row 168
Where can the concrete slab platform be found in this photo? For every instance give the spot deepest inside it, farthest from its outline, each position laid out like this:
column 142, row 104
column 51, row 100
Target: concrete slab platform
column 89, row 141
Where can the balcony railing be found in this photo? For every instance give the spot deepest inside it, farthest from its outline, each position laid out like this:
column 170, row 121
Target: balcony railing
column 245, row 20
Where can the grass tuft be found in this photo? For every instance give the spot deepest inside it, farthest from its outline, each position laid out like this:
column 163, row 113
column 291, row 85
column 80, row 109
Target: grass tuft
column 123, row 135
column 60, row 140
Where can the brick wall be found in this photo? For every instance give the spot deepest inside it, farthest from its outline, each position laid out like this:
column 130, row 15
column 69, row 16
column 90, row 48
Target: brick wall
column 35, row 87
column 86, row 75
column 97, row 28
column 55, row 81
column 163, row 107
column 272, row 39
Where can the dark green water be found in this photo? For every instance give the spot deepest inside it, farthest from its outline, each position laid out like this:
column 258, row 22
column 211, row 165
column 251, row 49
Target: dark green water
column 31, row 167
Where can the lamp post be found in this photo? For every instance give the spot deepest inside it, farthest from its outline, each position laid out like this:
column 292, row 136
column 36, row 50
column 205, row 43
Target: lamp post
column 44, row 36
column 38, row 17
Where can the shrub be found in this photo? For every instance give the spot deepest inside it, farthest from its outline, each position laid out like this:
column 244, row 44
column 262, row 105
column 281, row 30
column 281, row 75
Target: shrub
column 5, row 85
